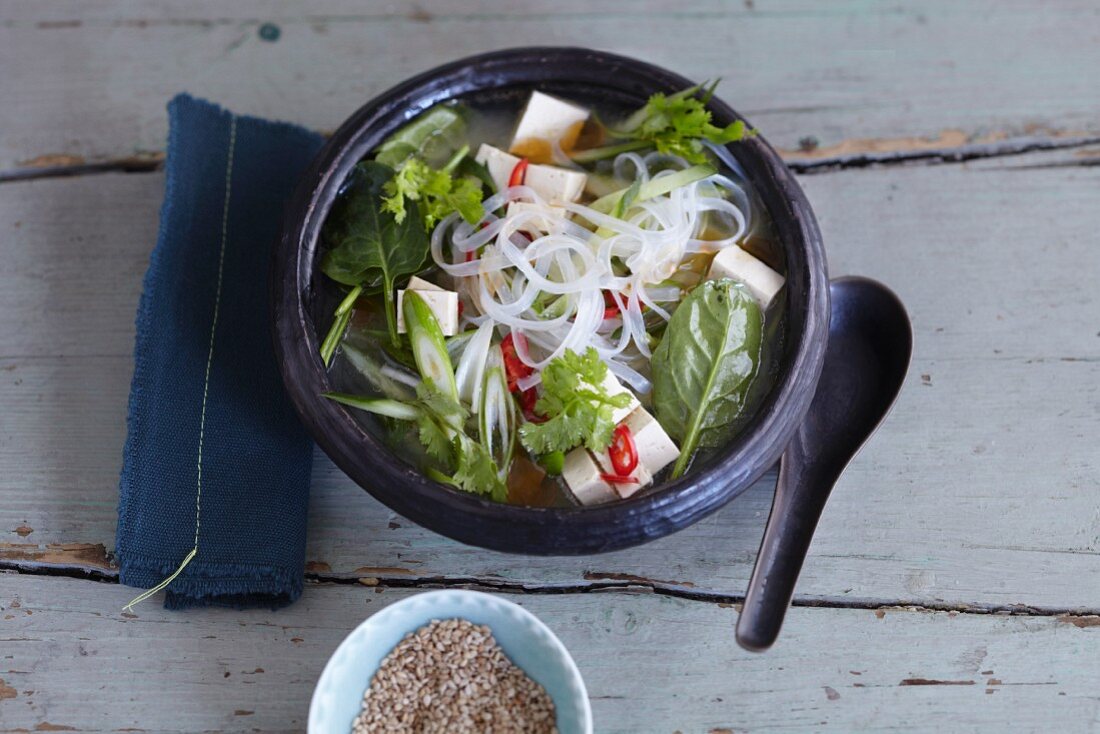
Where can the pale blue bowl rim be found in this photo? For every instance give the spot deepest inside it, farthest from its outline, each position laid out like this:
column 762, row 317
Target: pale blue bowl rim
column 390, row 618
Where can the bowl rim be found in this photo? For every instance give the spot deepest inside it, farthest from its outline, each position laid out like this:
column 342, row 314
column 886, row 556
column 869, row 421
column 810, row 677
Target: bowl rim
column 470, row 518
column 381, row 616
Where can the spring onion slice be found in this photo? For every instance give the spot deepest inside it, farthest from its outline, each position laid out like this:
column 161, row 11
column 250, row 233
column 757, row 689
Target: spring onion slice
column 471, row 366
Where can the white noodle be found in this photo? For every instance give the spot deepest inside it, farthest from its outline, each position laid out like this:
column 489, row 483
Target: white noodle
column 549, row 291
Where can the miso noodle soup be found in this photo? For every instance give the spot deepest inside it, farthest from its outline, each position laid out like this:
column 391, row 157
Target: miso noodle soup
column 551, row 301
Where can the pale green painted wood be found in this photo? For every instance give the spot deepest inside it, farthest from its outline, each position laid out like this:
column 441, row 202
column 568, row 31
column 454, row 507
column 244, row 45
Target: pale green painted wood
column 651, row 664
column 90, row 82
column 976, row 492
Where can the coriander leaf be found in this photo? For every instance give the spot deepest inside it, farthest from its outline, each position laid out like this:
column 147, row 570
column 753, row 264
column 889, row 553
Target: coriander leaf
column 476, row 471
column 578, row 408
column 367, row 245
column 678, row 124
column 440, row 421
column 438, row 192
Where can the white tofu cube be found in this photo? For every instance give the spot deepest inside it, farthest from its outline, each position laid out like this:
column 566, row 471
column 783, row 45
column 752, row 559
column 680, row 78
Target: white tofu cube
column 656, row 449
column 443, row 305
column 733, row 262
column 549, row 118
column 540, row 223
column 612, row 385
column 419, row 284
column 582, row 475
column 554, row 184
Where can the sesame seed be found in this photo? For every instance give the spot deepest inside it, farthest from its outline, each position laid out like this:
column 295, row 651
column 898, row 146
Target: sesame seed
column 451, row 676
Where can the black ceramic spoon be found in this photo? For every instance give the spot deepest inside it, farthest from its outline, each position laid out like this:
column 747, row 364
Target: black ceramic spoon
column 870, row 343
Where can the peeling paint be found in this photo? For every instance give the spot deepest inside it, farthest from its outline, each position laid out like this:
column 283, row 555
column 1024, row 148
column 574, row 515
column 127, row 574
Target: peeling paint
column 946, row 139
column 1089, row 620
column 382, row 571
column 613, row 576
column 92, row 555
column 52, row 160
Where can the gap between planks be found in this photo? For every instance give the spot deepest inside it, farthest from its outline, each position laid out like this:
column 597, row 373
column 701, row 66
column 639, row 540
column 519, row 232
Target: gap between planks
column 615, row 583
column 856, row 154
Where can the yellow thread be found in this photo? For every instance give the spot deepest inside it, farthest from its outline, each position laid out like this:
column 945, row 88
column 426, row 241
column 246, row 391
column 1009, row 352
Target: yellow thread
column 206, row 381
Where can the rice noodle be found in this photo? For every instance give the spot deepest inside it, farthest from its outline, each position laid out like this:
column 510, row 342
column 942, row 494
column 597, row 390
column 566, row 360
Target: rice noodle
column 550, row 290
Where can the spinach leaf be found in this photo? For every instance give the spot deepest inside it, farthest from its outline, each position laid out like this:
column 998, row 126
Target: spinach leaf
column 433, row 136
column 368, row 247
column 704, row 366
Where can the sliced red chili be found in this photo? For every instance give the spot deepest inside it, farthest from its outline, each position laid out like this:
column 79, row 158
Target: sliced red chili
column 623, row 451
column 616, row 479
column 610, row 308
column 514, row 367
column 519, row 173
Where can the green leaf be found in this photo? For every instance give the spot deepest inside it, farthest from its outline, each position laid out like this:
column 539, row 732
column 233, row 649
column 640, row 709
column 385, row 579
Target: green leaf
column 477, row 472
column 432, row 136
column 578, row 408
column 438, row 193
column 368, row 247
column 679, row 123
column 704, row 366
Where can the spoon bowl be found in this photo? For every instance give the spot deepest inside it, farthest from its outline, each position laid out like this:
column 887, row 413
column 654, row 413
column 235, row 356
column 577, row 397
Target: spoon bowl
column 868, row 353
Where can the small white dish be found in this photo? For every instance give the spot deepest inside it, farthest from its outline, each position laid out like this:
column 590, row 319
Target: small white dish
column 528, row 642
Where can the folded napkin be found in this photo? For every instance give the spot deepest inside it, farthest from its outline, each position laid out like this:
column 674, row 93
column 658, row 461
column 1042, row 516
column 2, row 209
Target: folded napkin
column 216, row 467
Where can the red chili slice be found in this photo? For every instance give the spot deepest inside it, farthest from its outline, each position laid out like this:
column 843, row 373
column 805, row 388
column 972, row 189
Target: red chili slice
column 611, row 309
column 514, row 367
column 623, row 451
column 616, row 479
column 519, row 173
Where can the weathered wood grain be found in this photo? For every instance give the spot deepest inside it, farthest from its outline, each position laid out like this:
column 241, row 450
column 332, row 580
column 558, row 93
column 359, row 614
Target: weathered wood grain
column 651, row 664
column 849, row 79
column 978, row 491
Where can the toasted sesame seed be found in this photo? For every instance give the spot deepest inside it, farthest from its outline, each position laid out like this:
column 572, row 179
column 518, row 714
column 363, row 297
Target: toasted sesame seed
column 451, row 676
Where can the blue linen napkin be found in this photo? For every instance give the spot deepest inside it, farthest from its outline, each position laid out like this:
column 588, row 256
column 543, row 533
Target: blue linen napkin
column 216, row 465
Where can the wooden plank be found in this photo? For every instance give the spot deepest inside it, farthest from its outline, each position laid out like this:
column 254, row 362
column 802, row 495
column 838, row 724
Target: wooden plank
column 841, row 669
column 974, row 493
column 851, row 80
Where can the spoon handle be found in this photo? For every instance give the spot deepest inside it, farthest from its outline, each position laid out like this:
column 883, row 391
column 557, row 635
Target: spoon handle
column 797, row 507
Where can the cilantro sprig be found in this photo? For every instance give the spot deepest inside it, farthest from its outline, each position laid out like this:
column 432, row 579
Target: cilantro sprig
column 578, row 408
column 677, row 124
column 440, row 419
column 437, row 192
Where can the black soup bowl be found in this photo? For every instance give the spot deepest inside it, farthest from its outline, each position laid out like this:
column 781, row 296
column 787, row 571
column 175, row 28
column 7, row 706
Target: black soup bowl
column 303, row 302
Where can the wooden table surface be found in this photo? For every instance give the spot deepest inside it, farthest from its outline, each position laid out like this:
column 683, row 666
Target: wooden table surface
column 950, row 149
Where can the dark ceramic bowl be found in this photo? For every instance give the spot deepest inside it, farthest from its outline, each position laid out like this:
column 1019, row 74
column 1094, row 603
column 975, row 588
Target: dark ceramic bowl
column 303, row 301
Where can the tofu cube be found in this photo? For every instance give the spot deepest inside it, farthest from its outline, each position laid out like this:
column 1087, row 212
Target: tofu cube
column 733, row 262
column 443, row 305
column 656, row 449
column 550, row 118
column 582, row 475
column 556, row 185
column 419, row 284
column 539, row 224
column 612, row 386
